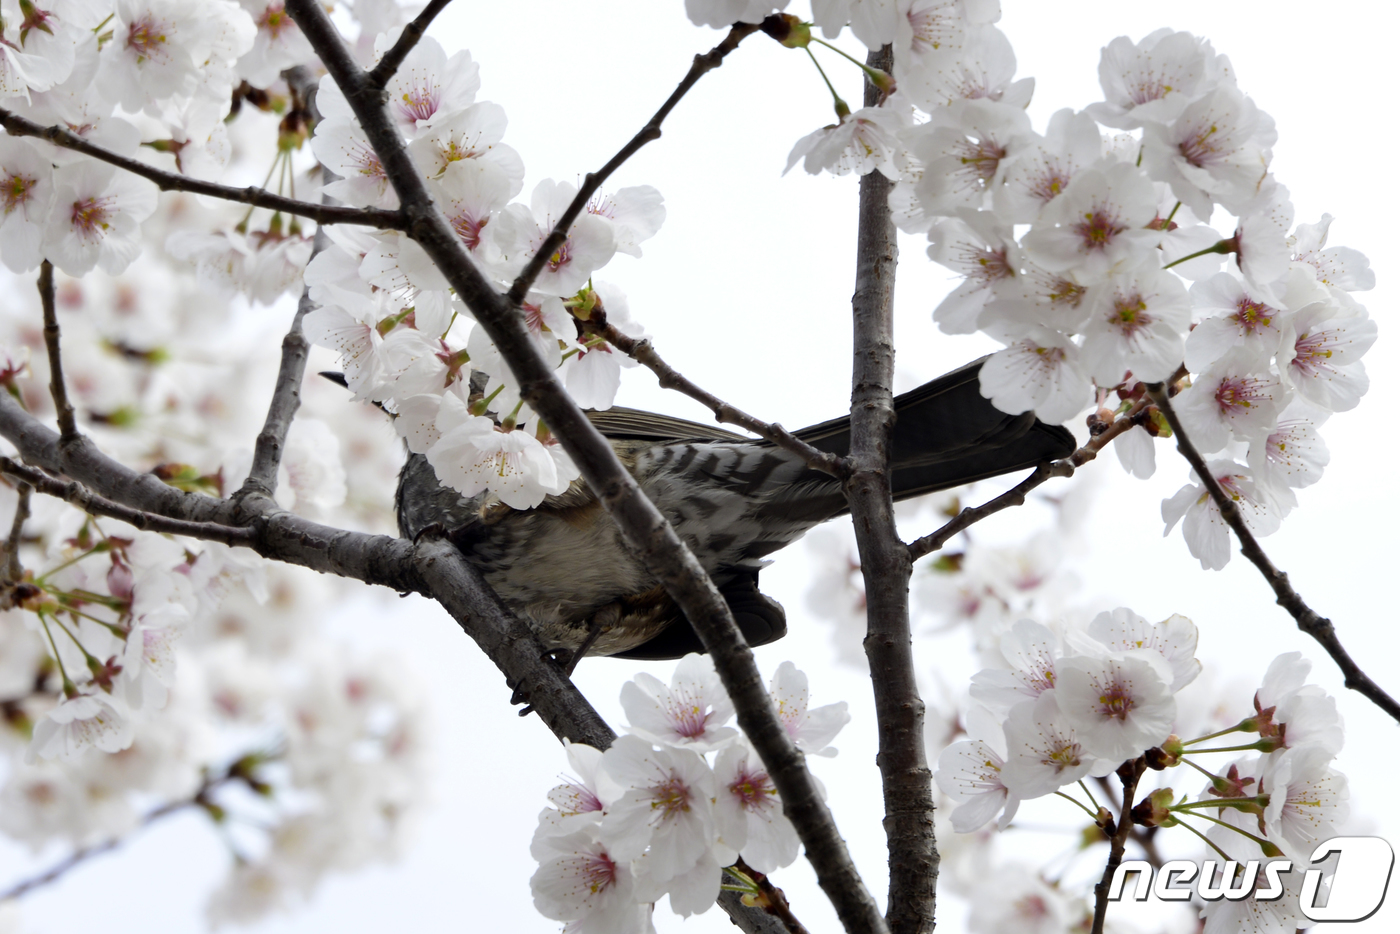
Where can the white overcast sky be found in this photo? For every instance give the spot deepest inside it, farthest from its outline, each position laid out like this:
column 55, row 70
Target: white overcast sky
column 746, row 289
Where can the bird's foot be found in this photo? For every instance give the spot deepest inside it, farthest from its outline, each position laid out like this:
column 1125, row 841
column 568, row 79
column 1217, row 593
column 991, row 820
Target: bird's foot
column 601, row 621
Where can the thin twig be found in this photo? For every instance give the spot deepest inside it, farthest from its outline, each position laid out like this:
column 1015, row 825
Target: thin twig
column 1128, row 773
column 772, row 899
column 1016, row 496
column 16, row 125
column 1319, row 627
column 286, row 393
column 13, row 571
column 67, row 425
column 906, row 780
column 644, row 529
column 381, row 73
column 594, row 180
column 88, row 501
column 668, row 378
column 199, row 799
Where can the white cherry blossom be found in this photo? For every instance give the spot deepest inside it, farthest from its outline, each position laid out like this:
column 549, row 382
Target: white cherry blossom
column 749, row 813
column 580, row 881
column 1117, row 706
column 519, row 231
column 665, row 809
column 26, row 194
column 1099, row 226
column 1204, row 528
column 1045, row 749
column 1153, row 80
column 1321, row 356
column 865, row 141
column 79, row 723
column 690, row 714
column 1235, row 398
column 812, row 728
column 96, row 218
column 1136, row 323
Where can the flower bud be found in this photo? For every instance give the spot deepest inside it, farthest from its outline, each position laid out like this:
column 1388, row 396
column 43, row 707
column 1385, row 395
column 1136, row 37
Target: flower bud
column 788, row 30
column 1155, row 809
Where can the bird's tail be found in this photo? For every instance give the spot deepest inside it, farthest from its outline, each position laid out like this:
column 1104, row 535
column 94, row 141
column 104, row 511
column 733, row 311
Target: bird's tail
column 946, row 434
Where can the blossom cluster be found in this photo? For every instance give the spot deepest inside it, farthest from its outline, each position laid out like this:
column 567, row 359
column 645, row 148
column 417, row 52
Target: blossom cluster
column 1090, row 252
column 652, row 816
column 1072, row 703
column 406, row 341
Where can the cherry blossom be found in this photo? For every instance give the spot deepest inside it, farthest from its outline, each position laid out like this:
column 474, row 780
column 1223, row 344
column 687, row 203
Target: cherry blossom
column 971, row 772
column 985, row 254
column 1136, row 322
column 1204, row 528
column 983, row 66
column 519, row 231
column 1307, row 797
column 1322, row 353
column 665, row 809
column 1234, row 398
column 749, row 813
column 1153, row 80
column 1099, row 226
column 96, row 218
column 812, row 728
column 579, row 880
column 862, row 142
column 690, row 714
column 963, row 159
column 721, row 13
column 26, row 182
column 1339, row 266
column 474, row 134
column 1294, row 454
column 1233, row 320
column 1117, row 706
column 429, row 87
column 1039, row 372
column 78, row 723
column 1044, row 167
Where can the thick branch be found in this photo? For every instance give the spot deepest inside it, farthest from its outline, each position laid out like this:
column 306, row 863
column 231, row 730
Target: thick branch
column 646, row 531
column 389, row 64
column 668, row 378
column 67, row 425
column 1016, row 496
column 593, row 180
column 886, row 564
column 16, row 125
column 94, row 505
column 1129, row 773
column 1319, row 627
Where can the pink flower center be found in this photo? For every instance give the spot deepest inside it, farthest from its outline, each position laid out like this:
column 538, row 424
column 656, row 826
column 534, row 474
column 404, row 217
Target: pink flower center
column 598, row 872
column 1049, row 184
column 147, row 38
column 1198, row 148
column 1253, row 316
column 1097, row 229
column 1313, row 352
column 1238, row 393
column 1130, row 314
column 469, row 229
column 753, row 789
column 672, row 799
column 17, row 191
column 932, row 28
column 561, row 257
column 1149, row 88
column 1116, row 702
column 419, row 103
column 981, row 158
column 90, row 216
column 275, row 20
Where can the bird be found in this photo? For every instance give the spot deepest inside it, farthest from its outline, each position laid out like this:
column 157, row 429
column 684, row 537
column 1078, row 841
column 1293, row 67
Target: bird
column 564, row 567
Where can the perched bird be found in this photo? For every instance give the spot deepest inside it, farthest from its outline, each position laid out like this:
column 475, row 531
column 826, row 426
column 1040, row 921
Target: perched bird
column 564, row 567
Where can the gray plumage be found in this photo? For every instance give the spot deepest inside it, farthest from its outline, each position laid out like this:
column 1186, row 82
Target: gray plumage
column 733, row 500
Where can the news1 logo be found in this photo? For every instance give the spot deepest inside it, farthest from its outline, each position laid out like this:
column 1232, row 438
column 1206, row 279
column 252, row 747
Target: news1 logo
column 1359, row 882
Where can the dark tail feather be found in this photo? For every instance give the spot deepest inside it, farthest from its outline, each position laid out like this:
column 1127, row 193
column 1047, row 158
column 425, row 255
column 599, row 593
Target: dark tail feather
column 947, row 434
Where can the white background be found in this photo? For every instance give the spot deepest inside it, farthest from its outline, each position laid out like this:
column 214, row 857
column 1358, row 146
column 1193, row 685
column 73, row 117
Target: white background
column 747, row 290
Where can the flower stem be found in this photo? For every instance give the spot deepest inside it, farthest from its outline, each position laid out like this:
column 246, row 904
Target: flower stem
column 1237, row 728
column 1223, row 246
column 1223, row 855
column 1080, row 804
column 1092, row 801
column 69, row 688
column 1268, row 848
column 842, row 108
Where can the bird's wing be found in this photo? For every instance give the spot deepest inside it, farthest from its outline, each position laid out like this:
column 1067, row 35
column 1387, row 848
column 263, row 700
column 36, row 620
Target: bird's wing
column 623, row 424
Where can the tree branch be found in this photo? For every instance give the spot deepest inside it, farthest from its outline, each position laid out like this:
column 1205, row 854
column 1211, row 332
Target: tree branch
column 381, row 73
column 286, row 393
column 1016, row 496
column 885, row 562
column 668, row 378
column 67, row 425
column 1128, row 773
column 16, row 125
column 13, row 570
column 644, row 529
column 78, row 495
column 593, row 180
column 1319, row 627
